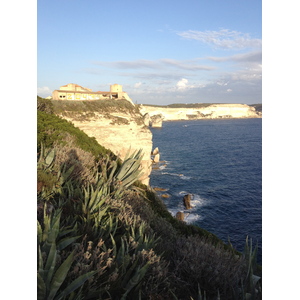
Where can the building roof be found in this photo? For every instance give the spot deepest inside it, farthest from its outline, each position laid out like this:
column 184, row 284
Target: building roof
column 72, row 83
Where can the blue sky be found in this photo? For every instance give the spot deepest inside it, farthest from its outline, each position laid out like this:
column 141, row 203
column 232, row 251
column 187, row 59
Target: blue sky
column 162, row 52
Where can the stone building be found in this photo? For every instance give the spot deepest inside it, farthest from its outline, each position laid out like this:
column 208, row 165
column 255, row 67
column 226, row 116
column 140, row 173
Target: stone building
column 74, row 91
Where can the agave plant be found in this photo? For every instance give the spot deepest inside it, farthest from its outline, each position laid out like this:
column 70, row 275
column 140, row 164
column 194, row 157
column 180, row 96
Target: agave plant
column 48, row 177
column 252, row 287
column 52, row 272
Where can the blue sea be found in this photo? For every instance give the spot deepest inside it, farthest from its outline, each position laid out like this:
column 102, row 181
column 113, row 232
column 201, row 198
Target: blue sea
column 219, row 162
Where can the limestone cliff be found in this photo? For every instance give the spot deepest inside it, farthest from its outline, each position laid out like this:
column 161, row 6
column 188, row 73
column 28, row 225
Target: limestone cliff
column 200, row 111
column 116, row 125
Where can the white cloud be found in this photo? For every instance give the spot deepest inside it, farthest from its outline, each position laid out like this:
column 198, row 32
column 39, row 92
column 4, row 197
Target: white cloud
column 222, row 83
column 223, row 38
column 182, row 84
column 229, row 90
column 164, row 63
column 44, row 91
column 250, row 57
column 191, row 65
column 137, row 85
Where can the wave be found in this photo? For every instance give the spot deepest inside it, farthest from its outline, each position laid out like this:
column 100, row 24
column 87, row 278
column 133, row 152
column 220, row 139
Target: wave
column 178, row 175
column 189, row 216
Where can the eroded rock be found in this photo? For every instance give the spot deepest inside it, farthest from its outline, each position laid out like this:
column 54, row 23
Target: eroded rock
column 187, row 201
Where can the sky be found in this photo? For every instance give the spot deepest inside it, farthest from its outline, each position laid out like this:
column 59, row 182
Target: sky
column 161, row 52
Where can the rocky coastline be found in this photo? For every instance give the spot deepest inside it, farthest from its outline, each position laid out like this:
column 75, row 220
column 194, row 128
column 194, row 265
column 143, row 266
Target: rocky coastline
column 123, row 127
column 158, row 114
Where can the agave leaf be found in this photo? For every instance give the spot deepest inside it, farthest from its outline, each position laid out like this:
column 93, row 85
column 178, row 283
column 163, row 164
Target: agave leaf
column 60, row 276
column 50, row 265
column 42, row 153
column 75, row 284
column 46, row 225
column 39, row 232
column 40, row 262
column 134, row 281
column 54, row 230
column 112, row 171
column 67, row 174
column 128, row 274
column 68, row 230
column 41, row 288
column 66, row 242
column 130, row 166
column 49, row 159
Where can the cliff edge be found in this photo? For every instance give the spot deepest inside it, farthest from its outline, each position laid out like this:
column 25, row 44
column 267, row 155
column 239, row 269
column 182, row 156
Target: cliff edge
column 116, row 125
column 199, row 111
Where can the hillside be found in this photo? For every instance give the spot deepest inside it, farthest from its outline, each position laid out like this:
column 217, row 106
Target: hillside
column 104, row 235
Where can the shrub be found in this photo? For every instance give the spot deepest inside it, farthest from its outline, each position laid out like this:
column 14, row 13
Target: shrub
column 44, row 105
column 52, row 129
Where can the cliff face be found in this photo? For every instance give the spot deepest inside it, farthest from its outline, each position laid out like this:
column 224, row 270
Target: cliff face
column 214, row 111
column 120, row 129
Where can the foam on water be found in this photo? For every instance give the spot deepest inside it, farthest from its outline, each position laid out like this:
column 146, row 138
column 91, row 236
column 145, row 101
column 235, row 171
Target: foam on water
column 196, row 200
column 185, row 177
column 189, row 216
column 177, row 175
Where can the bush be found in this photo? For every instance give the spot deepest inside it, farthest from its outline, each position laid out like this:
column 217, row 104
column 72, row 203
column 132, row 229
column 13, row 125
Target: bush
column 44, row 105
column 52, row 129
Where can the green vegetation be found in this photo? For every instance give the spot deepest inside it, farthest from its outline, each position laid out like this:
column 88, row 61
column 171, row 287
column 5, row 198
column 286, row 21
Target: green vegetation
column 86, row 110
column 258, row 107
column 52, row 130
column 103, row 235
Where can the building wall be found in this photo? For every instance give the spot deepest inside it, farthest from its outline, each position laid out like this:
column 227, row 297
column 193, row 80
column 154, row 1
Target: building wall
column 116, row 88
column 70, row 95
column 75, row 92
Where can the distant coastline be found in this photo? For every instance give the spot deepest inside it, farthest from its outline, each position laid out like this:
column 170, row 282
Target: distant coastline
column 197, row 111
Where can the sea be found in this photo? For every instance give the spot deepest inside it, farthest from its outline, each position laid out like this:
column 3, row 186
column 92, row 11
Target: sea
column 218, row 162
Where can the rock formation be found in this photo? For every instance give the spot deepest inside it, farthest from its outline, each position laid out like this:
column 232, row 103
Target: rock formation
column 204, row 111
column 187, row 201
column 147, row 120
column 180, row 216
column 120, row 130
column 156, row 155
column 156, row 120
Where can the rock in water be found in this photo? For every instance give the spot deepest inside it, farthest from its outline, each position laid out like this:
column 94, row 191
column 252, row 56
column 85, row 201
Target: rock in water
column 156, row 121
column 156, row 158
column 155, row 151
column 180, row 216
column 187, row 201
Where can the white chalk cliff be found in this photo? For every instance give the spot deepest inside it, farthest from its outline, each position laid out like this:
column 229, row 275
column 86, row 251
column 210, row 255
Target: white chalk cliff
column 213, row 111
column 120, row 131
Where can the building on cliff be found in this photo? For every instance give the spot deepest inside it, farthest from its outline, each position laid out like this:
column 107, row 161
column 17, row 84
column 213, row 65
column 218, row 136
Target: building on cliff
column 74, row 91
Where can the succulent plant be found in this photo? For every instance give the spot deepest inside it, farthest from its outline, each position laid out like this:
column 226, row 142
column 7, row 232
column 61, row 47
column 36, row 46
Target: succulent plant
column 52, row 272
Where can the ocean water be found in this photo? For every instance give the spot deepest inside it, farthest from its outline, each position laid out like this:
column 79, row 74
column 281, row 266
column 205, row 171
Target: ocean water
column 219, row 162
